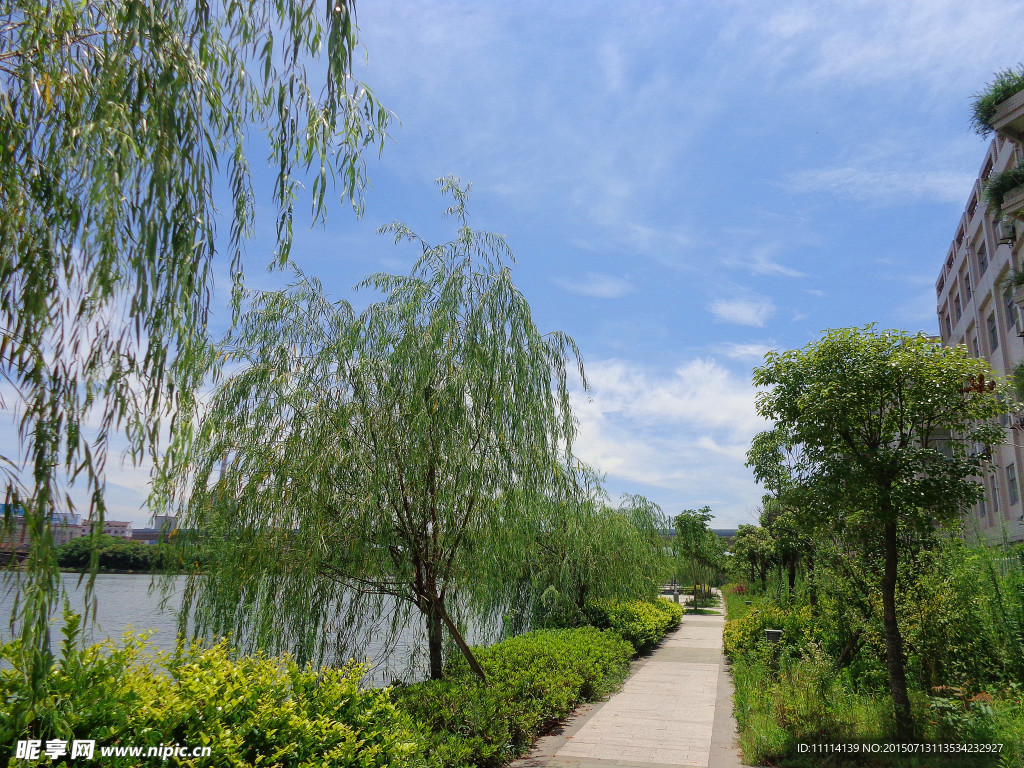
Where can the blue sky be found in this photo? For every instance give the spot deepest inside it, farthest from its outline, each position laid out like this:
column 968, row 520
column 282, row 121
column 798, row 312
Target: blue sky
column 684, row 185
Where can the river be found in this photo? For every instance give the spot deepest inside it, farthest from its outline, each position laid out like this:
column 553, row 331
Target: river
column 127, row 602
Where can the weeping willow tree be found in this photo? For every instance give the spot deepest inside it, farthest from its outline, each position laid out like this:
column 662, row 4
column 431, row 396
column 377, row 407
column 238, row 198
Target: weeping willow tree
column 121, row 122
column 584, row 549
column 358, row 467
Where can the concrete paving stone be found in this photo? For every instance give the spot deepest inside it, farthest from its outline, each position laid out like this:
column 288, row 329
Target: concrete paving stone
column 675, row 710
column 696, row 637
column 682, row 653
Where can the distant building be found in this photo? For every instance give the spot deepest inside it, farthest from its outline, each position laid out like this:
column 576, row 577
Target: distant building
column 64, row 526
column 120, row 528
column 978, row 309
column 17, row 536
column 166, row 523
column 62, row 534
column 163, row 527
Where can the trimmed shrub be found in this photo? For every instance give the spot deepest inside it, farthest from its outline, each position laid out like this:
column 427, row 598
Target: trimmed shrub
column 641, row 623
column 250, row 711
column 670, row 608
column 533, row 680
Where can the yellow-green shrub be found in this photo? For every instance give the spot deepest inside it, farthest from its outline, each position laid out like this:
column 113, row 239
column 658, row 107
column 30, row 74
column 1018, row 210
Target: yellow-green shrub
column 746, row 635
column 251, row 711
column 670, row 608
column 641, row 623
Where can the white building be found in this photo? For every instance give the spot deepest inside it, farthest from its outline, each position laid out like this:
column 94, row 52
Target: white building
column 122, row 528
column 976, row 308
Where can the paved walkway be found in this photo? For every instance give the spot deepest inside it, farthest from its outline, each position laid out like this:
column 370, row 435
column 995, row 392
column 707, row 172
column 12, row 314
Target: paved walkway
column 674, row 710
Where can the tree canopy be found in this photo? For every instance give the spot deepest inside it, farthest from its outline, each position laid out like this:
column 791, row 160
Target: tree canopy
column 879, row 436
column 121, row 122
column 361, row 465
column 700, row 546
column 583, row 549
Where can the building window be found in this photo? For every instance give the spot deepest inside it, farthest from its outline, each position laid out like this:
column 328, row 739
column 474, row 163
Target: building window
column 1011, row 309
column 976, row 347
column 995, row 494
column 983, row 507
column 993, row 333
column 1011, row 484
column 982, row 259
column 947, row 325
column 965, row 280
column 957, row 309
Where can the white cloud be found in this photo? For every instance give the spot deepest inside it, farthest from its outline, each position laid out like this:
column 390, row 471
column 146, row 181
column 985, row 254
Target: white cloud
column 752, row 311
column 883, row 184
column 745, row 352
column 597, row 285
column 613, row 66
column 944, row 44
column 761, row 262
column 698, row 392
column 684, row 433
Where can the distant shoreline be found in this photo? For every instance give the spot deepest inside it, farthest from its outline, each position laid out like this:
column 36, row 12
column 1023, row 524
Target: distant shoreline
column 107, row 572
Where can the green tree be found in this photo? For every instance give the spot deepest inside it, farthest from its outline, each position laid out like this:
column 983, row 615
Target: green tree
column 886, row 424
column 754, row 547
column 120, row 123
column 110, row 552
column 696, row 543
column 359, row 466
column 583, row 549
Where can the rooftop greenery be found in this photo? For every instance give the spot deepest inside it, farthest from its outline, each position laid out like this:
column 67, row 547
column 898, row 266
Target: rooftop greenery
column 1000, row 185
column 1006, row 84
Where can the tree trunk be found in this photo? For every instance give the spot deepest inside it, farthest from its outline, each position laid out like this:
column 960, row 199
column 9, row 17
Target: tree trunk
column 894, row 641
column 433, row 610
column 792, row 575
column 812, row 590
column 434, row 641
column 461, row 642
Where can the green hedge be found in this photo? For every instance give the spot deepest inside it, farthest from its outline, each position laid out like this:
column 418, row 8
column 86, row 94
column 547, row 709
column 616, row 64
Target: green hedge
column 641, row 623
column 533, row 680
column 250, row 711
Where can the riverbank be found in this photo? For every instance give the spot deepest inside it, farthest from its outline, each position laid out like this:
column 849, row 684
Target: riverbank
column 261, row 707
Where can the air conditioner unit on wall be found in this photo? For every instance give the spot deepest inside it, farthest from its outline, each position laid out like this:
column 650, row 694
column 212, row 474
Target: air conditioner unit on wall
column 1006, row 232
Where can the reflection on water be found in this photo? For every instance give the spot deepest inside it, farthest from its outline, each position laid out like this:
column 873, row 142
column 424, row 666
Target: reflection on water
column 128, row 602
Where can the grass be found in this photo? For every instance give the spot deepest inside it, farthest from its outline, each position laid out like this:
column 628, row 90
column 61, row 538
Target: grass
column 783, row 701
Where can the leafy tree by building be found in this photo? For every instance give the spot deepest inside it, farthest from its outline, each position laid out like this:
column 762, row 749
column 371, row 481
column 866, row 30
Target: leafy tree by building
column 887, row 428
